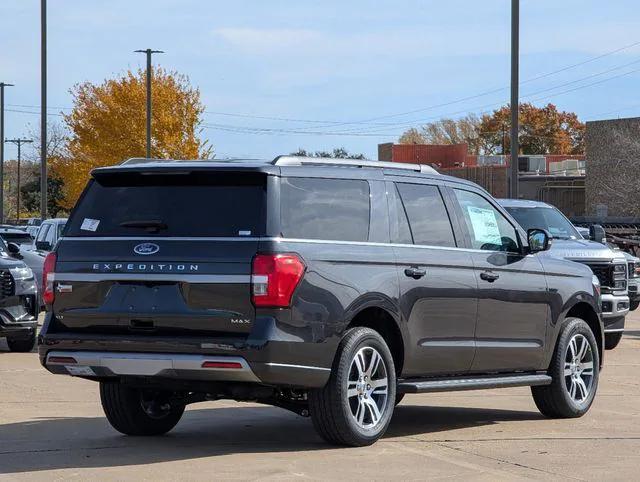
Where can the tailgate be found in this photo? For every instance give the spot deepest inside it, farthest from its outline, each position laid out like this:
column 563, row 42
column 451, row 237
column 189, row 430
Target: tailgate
column 187, row 287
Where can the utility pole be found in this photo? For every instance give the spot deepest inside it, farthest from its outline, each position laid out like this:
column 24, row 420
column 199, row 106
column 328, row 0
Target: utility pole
column 515, row 47
column 18, row 142
column 2, row 86
column 148, row 52
column 43, row 109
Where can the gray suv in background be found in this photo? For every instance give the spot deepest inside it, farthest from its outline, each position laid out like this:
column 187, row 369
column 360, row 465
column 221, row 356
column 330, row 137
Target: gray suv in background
column 610, row 266
column 18, row 300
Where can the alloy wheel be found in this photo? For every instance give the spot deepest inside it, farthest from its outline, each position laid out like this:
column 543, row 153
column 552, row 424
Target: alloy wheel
column 367, row 387
column 578, row 368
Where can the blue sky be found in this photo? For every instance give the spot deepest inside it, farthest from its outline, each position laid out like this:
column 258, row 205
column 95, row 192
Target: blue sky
column 341, row 73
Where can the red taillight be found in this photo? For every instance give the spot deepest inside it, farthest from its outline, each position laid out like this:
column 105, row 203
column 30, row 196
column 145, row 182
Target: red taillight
column 274, row 278
column 217, row 364
column 48, row 274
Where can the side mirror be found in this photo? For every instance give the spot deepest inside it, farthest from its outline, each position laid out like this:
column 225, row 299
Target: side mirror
column 539, row 240
column 13, row 249
column 43, row 245
column 597, row 234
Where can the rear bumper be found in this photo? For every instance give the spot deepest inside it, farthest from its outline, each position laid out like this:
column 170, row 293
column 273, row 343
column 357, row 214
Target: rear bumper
column 104, row 364
column 268, row 357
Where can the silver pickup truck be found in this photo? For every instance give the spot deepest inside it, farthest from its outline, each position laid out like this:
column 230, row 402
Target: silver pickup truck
column 610, row 266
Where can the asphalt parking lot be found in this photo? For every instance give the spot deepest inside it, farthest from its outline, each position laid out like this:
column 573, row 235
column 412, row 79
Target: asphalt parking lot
column 52, row 427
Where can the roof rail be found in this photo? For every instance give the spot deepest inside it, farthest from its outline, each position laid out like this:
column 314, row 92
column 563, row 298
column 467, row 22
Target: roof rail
column 330, row 161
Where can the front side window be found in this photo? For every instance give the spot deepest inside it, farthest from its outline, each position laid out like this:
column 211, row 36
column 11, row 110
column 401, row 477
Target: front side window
column 428, row 218
column 488, row 228
column 331, row 209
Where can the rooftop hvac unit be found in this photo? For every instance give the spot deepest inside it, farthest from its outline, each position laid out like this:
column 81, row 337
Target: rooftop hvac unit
column 532, row 163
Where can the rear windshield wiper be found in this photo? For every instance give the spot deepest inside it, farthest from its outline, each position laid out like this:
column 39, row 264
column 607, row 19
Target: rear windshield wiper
column 151, row 225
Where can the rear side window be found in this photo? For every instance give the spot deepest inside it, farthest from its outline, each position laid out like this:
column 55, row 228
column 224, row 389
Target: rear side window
column 332, row 209
column 189, row 204
column 428, row 217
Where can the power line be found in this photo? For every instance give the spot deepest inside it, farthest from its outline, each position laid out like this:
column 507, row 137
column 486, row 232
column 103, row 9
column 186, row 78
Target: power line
column 336, row 123
column 405, row 124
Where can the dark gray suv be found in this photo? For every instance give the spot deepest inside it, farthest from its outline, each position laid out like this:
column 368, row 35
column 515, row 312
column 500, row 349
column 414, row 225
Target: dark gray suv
column 331, row 288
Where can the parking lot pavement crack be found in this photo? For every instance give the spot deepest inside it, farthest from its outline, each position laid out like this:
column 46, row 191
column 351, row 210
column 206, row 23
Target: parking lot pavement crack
column 444, row 458
column 509, row 462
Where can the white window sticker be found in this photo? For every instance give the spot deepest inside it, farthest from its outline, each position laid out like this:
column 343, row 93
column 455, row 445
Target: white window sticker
column 485, row 225
column 89, row 224
column 244, row 233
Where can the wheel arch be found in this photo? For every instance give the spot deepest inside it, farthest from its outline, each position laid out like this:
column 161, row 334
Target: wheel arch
column 383, row 318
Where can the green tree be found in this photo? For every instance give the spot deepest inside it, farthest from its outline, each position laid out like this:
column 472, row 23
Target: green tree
column 30, row 195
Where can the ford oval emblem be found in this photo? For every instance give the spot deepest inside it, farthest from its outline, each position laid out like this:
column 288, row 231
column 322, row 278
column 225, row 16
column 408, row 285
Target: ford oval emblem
column 146, row 248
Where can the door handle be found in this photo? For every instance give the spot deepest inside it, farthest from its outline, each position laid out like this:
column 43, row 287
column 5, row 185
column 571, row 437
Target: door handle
column 489, row 276
column 415, row 273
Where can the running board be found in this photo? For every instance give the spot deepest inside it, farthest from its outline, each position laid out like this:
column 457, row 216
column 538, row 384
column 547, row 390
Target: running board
column 430, row 385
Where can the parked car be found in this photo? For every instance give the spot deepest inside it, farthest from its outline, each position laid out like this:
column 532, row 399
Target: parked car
column 24, row 251
column 18, row 301
column 11, row 234
column 49, row 232
column 331, row 288
column 633, row 264
column 34, row 222
column 610, row 266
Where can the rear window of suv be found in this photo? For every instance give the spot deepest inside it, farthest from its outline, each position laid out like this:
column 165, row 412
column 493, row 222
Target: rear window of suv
column 190, row 204
column 330, row 209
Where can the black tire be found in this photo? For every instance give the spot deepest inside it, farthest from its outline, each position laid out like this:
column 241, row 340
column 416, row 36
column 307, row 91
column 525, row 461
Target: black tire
column 123, row 407
column 612, row 340
column 555, row 400
column 399, row 397
column 332, row 410
column 634, row 305
column 22, row 345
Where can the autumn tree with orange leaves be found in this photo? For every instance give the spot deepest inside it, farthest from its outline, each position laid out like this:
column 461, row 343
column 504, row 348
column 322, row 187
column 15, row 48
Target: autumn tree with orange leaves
column 107, row 125
column 543, row 130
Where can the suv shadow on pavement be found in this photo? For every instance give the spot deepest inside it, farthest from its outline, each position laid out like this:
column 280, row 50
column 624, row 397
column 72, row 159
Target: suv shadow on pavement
column 88, row 442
